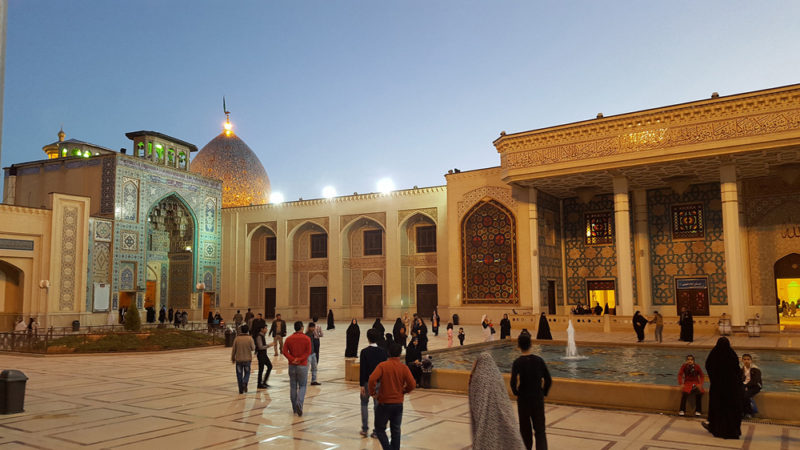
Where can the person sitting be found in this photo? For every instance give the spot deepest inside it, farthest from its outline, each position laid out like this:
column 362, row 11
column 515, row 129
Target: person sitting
column 751, row 378
column 690, row 377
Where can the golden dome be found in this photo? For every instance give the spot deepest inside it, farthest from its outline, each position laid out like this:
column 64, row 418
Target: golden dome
column 228, row 158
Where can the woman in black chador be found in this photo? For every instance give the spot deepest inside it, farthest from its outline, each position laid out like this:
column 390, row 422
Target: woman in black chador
column 543, row 332
column 686, row 322
column 726, row 392
column 330, row 320
column 379, row 326
column 639, row 322
column 414, row 359
column 353, row 335
column 396, row 328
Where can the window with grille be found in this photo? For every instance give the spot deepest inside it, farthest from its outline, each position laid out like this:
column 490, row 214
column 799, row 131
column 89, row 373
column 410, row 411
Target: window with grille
column 373, row 242
column 426, row 239
column 319, row 245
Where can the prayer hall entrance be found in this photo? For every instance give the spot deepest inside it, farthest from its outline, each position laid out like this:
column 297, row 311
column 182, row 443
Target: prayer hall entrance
column 318, row 302
column 692, row 293
column 11, row 291
column 602, row 292
column 373, row 301
column 427, row 299
column 170, row 245
column 787, row 285
column 269, row 303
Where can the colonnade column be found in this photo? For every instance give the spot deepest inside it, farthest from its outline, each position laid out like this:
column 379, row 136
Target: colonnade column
column 734, row 267
column 641, row 240
column 533, row 227
column 392, row 275
column 335, row 266
column 282, row 270
column 622, row 227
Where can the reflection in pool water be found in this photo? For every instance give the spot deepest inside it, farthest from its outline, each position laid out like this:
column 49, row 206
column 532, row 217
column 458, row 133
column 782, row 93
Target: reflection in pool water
column 648, row 365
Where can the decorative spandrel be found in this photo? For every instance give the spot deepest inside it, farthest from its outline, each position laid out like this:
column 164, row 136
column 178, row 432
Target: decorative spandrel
column 489, row 257
column 687, row 221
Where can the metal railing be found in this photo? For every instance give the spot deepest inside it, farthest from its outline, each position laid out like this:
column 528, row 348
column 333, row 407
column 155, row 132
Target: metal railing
column 42, row 339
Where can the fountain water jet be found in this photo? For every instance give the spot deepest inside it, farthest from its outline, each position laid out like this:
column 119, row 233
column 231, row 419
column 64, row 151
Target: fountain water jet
column 572, row 349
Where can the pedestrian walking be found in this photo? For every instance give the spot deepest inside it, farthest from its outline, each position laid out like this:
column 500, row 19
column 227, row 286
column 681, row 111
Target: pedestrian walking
column 530, row 382
column 395, row 381
column 297, row 349
column 369, row 358
column 242, row 356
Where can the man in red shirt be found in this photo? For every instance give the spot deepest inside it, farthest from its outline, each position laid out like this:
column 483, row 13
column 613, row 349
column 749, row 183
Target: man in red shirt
column 396, row 380
column 297, row 349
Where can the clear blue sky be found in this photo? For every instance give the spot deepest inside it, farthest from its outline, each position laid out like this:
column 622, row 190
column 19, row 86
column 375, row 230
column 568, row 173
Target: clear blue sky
column 347, row 92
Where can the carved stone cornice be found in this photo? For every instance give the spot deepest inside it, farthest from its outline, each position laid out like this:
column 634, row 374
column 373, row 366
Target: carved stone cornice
column 24, row 209
column 716, row 120
column 310, row 265
column 420, row 260
column 503, row 195
column 264, row 266
column 367, row 262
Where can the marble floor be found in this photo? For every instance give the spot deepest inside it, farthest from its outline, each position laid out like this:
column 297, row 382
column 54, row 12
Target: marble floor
column 189, row 399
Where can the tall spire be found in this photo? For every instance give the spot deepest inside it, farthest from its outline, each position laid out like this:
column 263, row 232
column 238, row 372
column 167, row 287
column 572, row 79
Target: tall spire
column 227, row 124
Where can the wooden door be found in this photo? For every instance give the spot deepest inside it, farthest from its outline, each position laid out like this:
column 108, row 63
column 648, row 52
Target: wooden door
column 269, row 303
column 373, row 301
column 692, row 293
column 126, row 299
column 427, row 299
column 318, row 302
column 150, row 294
column 207, row 296
column 551, row 297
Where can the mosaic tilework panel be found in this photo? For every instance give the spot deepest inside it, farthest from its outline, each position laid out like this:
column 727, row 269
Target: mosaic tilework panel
column 107, row 201
column 488, row 237
column 686, row 258
column 66, row 295
column 164, row 282
column 549, row 245
column 687, row 221
column 201, row 197
column 127, row 276
column 130, row 199
column 584, row 261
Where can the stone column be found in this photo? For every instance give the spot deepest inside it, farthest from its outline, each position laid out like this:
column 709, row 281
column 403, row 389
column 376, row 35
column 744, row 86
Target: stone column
column 641, row 239
column 734, row 267
column 392, row 278
column 533, row 228
column 622, row 236
column 283, row 270
column 335, row 266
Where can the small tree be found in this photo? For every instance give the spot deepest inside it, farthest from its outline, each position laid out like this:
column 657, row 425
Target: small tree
column 133, row 322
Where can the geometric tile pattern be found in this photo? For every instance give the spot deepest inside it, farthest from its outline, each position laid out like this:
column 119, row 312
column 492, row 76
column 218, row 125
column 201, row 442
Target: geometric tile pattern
column 129, row 241
column 489, row 254
column 671, row 256
column 549, row 244
column 66, row 296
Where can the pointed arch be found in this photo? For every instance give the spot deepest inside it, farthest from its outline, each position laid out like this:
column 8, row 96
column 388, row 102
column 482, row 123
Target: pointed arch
column 489, row 254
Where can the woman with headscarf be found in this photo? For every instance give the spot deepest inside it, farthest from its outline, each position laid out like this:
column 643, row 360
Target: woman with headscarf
column 493, row 422
column 435, row 322
column 725, row 393
column 487, row 329
column 639, row 322
column 396, row 327
column 414, row 359
column 353, row 335
column 423, row 335
column 686, row 322
column 379, row 326
column 543, row 332
column 210, row 321
column 331, row 325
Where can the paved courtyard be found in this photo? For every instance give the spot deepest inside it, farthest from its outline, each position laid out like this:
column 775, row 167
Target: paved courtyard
column 189, row 399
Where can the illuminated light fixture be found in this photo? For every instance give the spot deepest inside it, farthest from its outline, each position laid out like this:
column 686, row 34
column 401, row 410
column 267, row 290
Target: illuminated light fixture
column 87, row 154
column 385, row 185
column 188, row 248
column 276, row 198
column 328, row 192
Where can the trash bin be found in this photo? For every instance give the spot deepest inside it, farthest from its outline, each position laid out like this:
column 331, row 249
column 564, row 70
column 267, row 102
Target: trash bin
column 455, row 319
column 76, row 325
column 12, row 391
column 230, row 336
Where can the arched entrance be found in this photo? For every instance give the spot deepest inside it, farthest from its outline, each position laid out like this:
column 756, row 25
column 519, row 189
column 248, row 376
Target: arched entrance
column 11, row 287
column 170, row 244
column 787, row 290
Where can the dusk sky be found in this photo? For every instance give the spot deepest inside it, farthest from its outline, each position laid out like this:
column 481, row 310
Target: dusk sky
column 344, row 93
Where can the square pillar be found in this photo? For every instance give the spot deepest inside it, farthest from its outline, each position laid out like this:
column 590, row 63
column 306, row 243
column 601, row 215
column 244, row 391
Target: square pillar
column 335, row 291
column 622, row 227
column 732, row 236
column 533, row 228
column 641, row 239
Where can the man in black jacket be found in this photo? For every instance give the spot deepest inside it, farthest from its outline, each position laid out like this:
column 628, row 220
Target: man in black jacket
column 534, row 384
column 278, row 332
column 370, row 357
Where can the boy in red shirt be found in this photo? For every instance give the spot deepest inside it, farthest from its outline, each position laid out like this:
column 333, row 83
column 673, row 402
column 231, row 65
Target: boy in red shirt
column 396, row 380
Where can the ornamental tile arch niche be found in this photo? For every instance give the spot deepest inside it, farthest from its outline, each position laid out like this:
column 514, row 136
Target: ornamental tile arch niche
column 489, row 255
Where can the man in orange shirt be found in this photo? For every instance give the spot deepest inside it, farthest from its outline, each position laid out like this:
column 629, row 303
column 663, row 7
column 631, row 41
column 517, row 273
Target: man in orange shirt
column 396, row 380
column 297, row 349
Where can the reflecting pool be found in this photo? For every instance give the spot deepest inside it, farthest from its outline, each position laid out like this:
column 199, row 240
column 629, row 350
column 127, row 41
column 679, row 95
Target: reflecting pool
column 643, row 364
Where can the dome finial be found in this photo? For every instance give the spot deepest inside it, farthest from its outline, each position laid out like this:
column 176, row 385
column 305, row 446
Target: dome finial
column 227, row 124
column 61, row 134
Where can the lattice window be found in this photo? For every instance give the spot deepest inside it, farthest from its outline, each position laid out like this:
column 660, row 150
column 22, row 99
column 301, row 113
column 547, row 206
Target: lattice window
column 599, row 228
column 489, row 259
column 687, row 221
column 426, row 239
column 373, row 242
column 319, row 245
